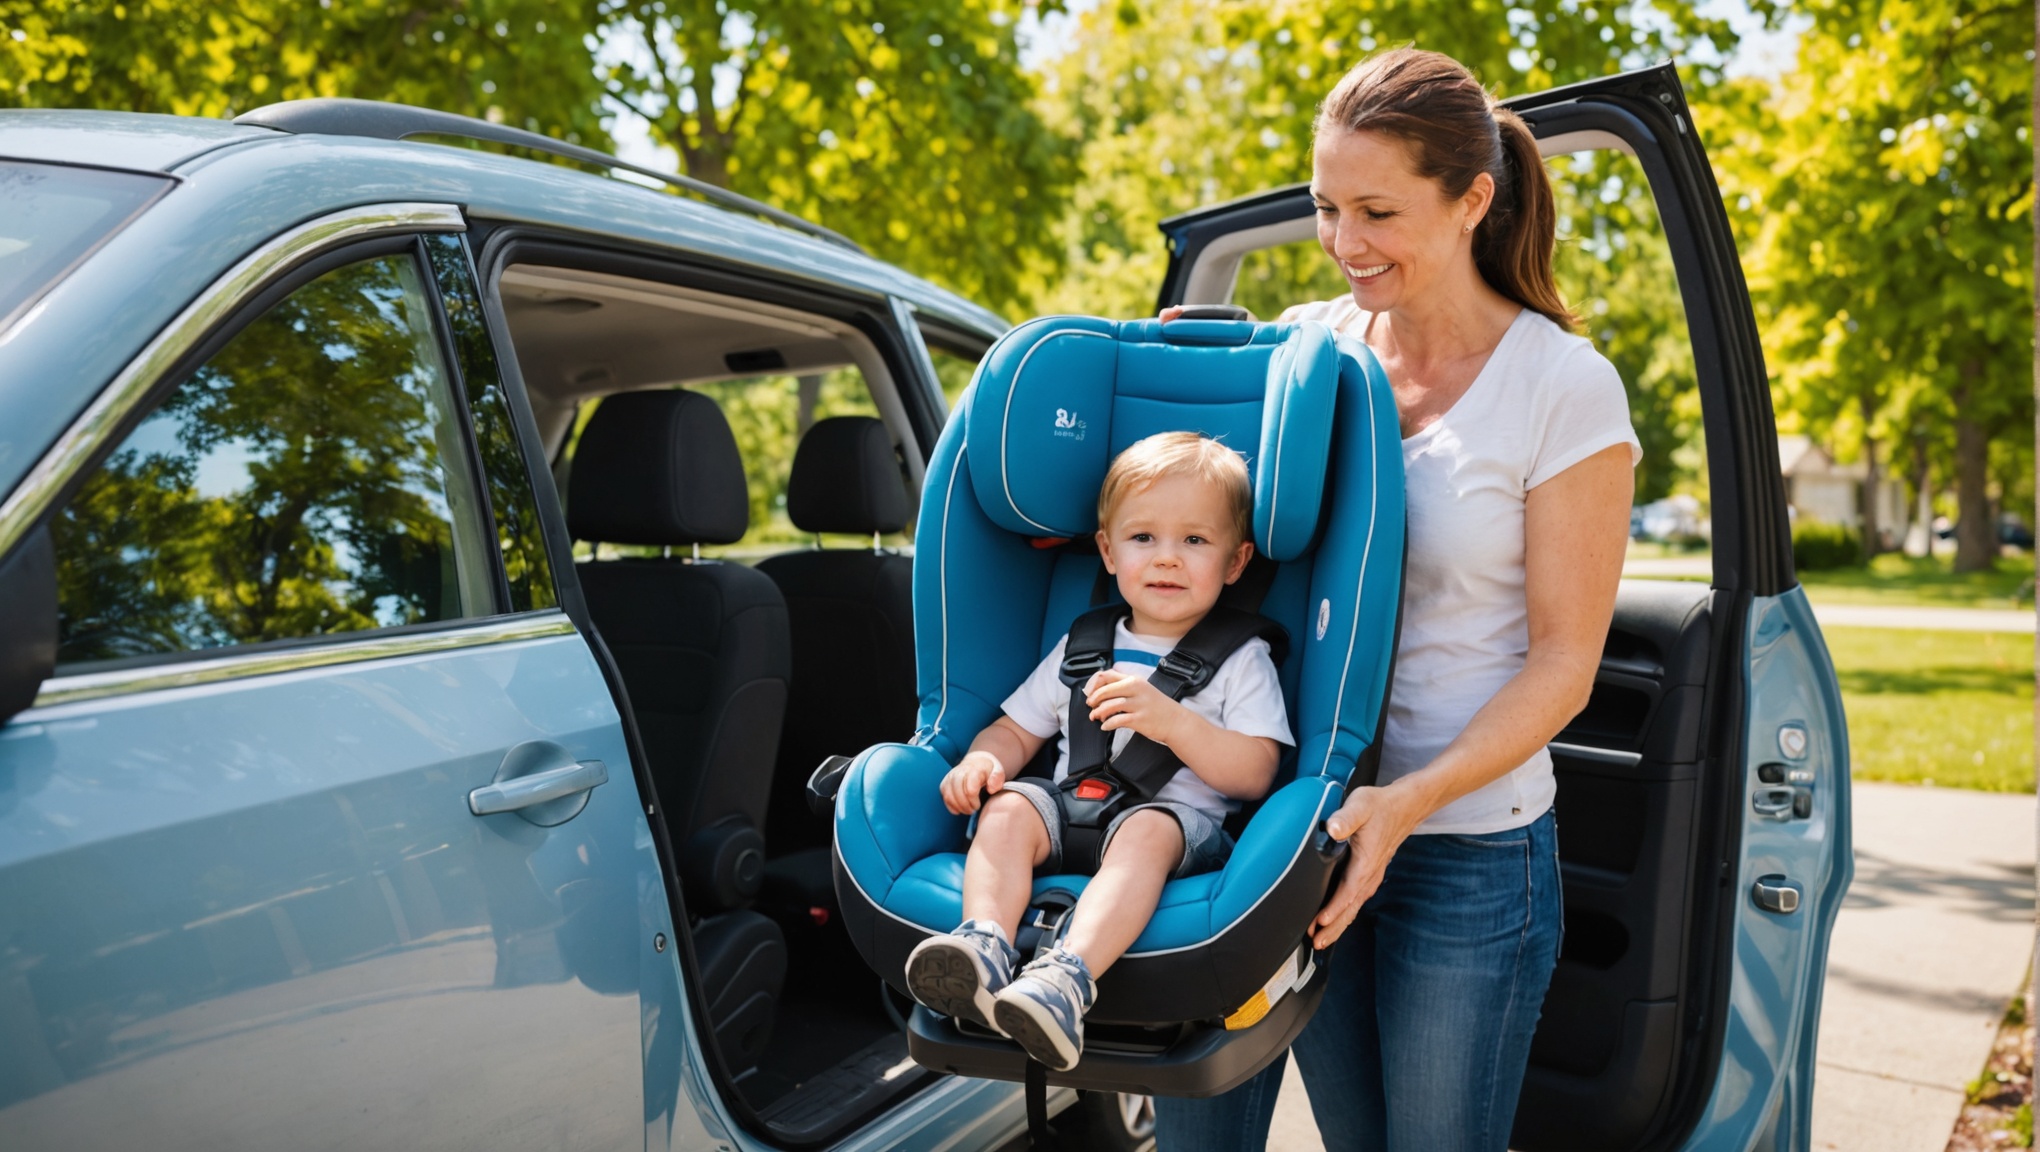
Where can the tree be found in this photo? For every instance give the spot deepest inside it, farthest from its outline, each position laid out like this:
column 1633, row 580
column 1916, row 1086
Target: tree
column 1883, row 197
column 1180, row 106
column 523, row 62
column 907, row 125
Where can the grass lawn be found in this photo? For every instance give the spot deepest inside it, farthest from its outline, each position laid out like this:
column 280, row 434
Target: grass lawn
column 1953, row 709
column 1894, row 580
column 1919, row 581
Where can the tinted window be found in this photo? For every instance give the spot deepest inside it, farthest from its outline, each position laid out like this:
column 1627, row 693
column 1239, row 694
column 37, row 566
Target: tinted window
column 509, row 485
column 51, row 214
column 307, row 480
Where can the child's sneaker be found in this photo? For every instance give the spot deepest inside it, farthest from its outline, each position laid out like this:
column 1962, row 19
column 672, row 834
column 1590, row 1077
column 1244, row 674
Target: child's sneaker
column 960, row 973
column 1043, row 1008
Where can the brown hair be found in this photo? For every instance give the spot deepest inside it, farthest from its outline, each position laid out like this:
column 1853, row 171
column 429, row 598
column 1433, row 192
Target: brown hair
column 1455, row 131
column 1180, row 454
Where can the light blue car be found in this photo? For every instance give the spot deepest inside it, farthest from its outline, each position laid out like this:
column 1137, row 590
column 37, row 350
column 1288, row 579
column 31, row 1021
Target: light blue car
column 383, row 764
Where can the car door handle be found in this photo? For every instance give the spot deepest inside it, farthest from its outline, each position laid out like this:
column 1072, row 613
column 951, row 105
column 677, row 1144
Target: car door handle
column 1774, row 803
column 537, row 788
column 1775, row 893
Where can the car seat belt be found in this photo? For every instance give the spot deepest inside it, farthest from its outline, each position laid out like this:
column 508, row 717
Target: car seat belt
column 1099, row 785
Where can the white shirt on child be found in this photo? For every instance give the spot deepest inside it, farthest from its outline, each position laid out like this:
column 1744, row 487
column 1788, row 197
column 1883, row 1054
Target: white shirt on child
column 1244, row 696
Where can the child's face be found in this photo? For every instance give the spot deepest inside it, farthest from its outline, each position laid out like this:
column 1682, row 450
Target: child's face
column 1171, row 546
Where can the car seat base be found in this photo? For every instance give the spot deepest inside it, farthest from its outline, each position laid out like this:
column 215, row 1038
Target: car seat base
column 1196, row 1059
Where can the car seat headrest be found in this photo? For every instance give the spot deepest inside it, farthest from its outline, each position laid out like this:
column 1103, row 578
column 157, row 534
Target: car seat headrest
column 846, row 478
column 659, row 468
column 1050, row 411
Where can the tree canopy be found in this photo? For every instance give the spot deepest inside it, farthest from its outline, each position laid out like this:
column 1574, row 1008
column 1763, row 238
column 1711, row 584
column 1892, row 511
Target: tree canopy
column 1883, row 194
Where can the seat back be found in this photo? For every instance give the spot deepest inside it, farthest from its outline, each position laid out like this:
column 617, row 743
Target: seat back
column 1017, row 473
column 852, row 616
column 702, row 646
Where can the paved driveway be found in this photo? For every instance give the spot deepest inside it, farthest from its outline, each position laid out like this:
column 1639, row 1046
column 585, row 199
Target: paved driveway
column 1933, row 941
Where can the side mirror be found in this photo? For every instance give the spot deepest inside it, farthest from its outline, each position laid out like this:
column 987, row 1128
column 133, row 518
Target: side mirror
column 28, row 621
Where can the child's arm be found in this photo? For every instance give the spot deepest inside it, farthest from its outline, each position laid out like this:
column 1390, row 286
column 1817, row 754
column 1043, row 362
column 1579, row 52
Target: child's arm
column 996, row 756
column 1236, row 764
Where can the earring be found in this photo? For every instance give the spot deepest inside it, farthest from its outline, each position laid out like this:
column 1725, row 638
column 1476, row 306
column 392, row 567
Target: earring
column 1468, row 228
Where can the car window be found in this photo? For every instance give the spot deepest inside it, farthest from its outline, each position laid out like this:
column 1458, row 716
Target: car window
column 954, row 370
column 503, row 469
column 307, row 480
column 51, row 215
column 767, row 415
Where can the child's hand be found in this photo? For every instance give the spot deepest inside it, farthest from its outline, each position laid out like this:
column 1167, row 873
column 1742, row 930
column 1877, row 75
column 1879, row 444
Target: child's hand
column 1121, row 700
column 974, row 775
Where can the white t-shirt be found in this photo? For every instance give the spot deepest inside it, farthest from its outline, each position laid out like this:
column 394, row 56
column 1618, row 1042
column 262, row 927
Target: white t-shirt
column 1544, row 401
column 1244, row 696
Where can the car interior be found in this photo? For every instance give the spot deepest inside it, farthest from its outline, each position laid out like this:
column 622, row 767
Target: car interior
column 789, row 640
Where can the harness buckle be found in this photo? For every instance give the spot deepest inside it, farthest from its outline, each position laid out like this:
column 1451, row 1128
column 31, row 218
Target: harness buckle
column 1080, row 666
column 1184, row 666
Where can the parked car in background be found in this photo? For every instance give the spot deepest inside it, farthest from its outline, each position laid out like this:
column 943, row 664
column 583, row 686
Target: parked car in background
column 383, row 763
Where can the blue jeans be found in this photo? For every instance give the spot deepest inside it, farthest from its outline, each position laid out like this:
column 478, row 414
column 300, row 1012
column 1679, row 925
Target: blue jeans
column 1422, row 1039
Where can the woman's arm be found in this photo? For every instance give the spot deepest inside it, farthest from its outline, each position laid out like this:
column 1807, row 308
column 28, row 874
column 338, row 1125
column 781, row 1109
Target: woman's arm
column 1575, row 529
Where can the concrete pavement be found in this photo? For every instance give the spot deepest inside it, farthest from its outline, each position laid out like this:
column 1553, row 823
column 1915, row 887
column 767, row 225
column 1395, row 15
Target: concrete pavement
column 1933, row 940
column 1937, row 619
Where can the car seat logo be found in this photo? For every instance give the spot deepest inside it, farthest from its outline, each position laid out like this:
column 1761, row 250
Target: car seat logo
column 1067, row 425
column 1324, row 617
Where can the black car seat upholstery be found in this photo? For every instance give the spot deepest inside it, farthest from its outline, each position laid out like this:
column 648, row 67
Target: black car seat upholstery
column 852, row 611
column 703, row 649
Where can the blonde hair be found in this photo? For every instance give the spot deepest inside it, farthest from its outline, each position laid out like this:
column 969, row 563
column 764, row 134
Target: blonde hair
column 1181, row 454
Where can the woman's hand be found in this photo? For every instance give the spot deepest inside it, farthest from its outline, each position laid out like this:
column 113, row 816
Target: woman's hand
column 1373, row 822
column 1120, row 701
column 974, row 775
column 1171, row 312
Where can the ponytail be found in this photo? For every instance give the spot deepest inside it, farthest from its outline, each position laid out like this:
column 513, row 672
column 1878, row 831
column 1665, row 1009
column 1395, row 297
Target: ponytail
column 1512, row 244
column 1456, row 132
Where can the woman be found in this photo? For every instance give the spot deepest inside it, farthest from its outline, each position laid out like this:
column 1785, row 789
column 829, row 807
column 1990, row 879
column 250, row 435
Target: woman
column 1518, row 451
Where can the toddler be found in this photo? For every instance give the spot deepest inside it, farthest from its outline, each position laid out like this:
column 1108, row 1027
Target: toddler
column 1175, row 521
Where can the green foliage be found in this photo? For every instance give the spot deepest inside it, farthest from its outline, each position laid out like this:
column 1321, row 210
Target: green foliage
column 1817, row 547
column 522, row 62
column 1925, row 581
column 1954, row 709
column 292, row 487
column 907, row 126
column 2021, row 1125
column 1882, row 197
column 764, row 414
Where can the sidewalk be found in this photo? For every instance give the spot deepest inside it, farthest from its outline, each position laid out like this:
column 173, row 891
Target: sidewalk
column 1932, row 941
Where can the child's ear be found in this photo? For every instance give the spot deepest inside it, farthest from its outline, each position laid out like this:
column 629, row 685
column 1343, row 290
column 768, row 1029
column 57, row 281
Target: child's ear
column 1105, row 552
column 1241, row 555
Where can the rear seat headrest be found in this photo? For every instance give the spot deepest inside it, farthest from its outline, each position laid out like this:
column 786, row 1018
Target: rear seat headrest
column 1051, row 409
column 846, row 478
column 658, row 468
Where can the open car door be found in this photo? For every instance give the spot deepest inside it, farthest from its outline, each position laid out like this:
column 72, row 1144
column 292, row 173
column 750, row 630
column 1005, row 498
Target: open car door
column 1703, row 793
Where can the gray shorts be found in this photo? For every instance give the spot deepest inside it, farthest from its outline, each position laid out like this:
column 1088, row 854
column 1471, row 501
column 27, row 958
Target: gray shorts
column 1206, row 846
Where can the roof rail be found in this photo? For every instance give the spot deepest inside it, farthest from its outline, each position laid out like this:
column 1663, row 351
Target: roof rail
column 380, row 120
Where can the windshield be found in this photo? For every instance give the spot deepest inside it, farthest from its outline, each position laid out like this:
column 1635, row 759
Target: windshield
column 51, row 215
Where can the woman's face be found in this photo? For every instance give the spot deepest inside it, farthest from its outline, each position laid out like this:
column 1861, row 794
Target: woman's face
column 1395, row 235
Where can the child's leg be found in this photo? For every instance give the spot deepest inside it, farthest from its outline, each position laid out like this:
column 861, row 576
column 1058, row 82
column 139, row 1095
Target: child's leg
column 1122, row 897
column 998, row 873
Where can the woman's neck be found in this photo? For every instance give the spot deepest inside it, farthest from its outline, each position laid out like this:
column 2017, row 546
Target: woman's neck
column 1452, row 322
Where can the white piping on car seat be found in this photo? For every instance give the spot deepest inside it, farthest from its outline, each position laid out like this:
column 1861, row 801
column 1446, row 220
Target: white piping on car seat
column 961, row 462
column 1294, row 856
column 1006, row 419
column 1366, row 550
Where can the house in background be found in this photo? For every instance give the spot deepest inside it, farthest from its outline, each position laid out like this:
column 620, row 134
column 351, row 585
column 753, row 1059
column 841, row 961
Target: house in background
column 1820, row 489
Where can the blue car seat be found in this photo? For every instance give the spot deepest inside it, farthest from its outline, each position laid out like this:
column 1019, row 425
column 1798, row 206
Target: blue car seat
column 1222, row 977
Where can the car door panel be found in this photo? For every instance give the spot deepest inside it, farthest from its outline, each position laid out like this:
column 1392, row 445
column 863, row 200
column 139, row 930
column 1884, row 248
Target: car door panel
column 257, row 913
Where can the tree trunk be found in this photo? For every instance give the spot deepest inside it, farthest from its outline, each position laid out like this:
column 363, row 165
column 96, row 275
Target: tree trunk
column 1976, row 545
column 1866, row 496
